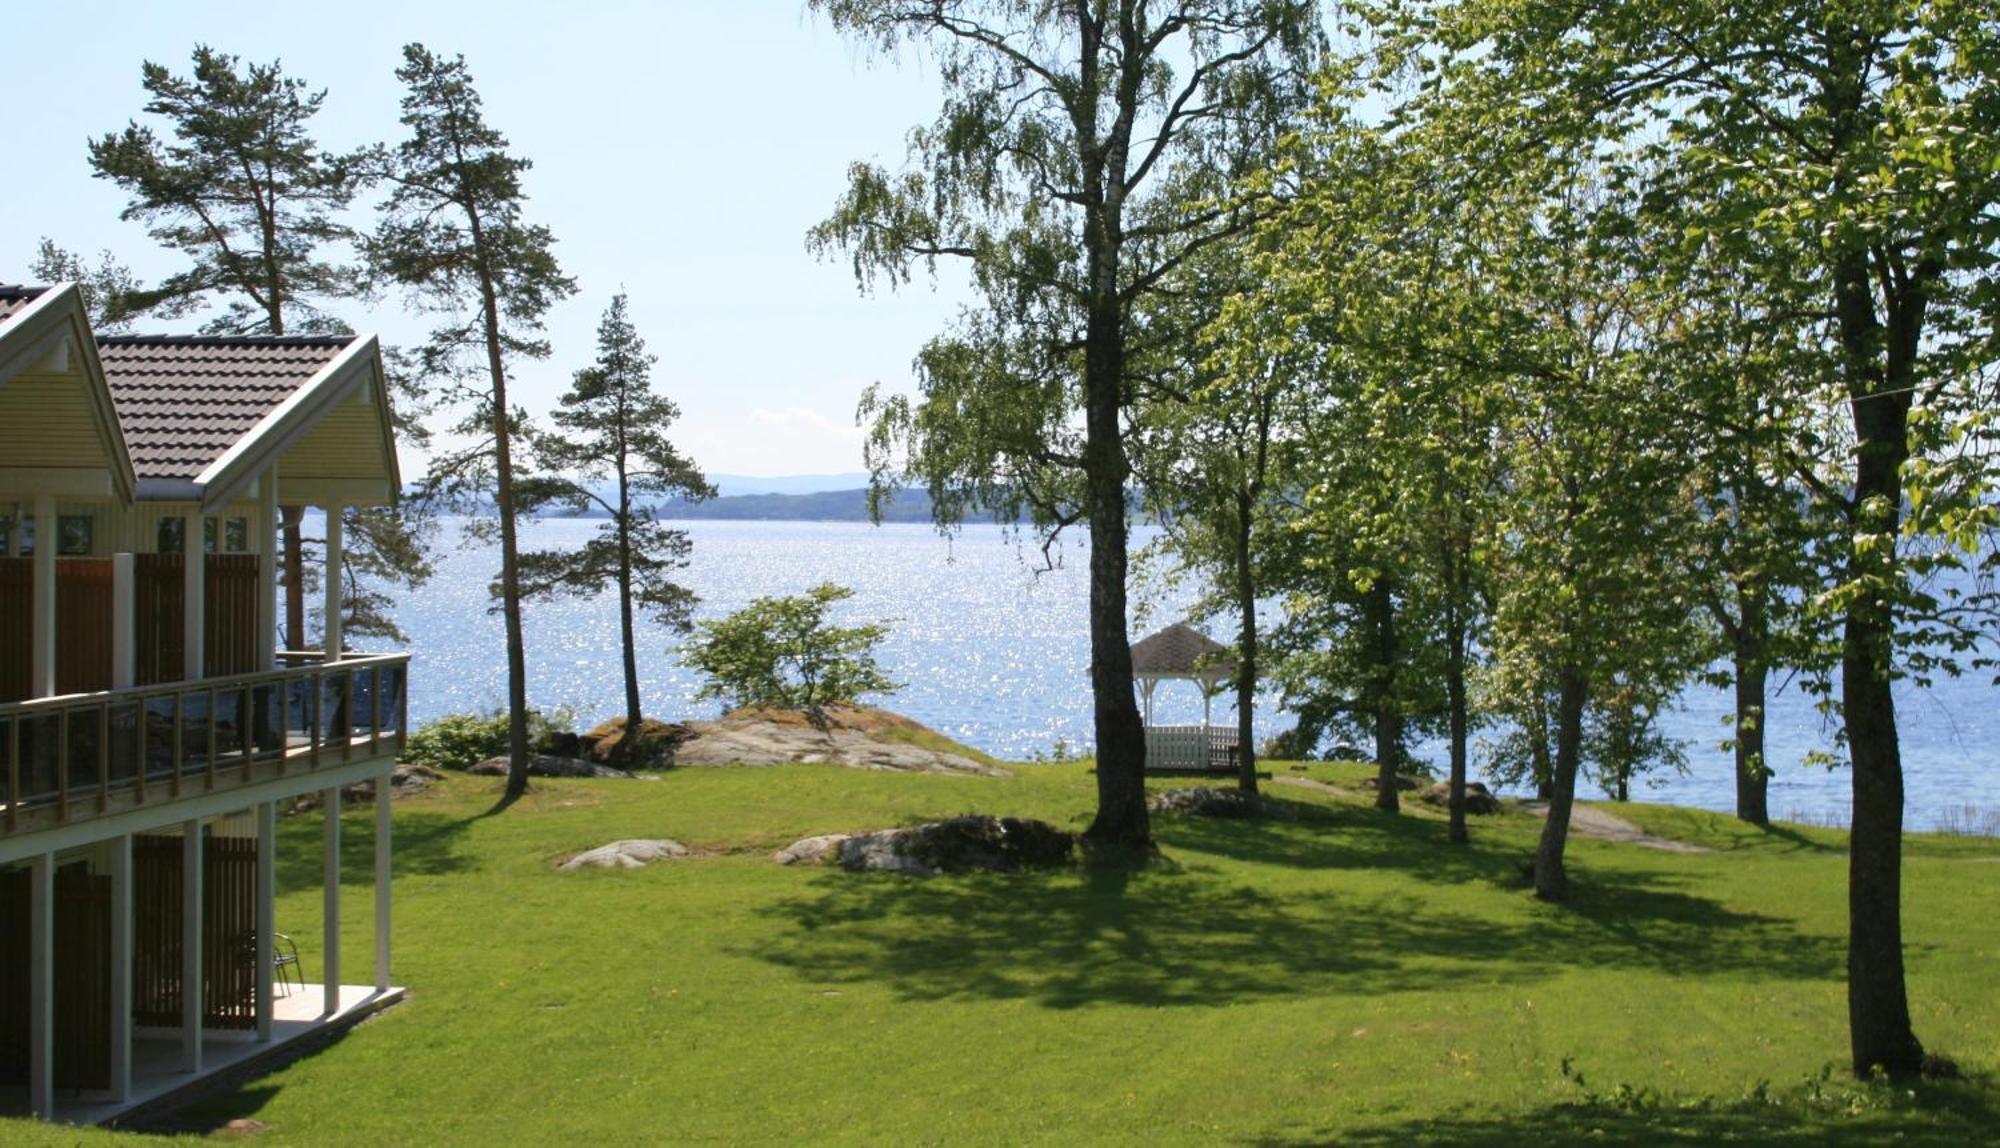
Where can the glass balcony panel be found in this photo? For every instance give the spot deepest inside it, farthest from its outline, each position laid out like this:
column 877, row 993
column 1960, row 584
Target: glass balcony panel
column 194, row 731
column 85, row 742
column 159, row 718
column 127, row 746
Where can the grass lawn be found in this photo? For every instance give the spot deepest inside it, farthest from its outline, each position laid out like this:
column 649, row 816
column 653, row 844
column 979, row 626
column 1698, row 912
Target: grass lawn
column 1349, row 978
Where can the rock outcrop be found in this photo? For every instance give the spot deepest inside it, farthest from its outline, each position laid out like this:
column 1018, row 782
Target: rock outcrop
column 961, row 845
column 1478, row 798
column 631, row 854
column 856, row 738
column 1203, row 801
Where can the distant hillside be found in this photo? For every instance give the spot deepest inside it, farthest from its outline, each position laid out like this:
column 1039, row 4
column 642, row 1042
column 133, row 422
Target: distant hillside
column 819, row 506
column 729, row 485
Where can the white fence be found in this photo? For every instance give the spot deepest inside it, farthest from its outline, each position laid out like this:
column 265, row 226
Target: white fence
column 1190, row 748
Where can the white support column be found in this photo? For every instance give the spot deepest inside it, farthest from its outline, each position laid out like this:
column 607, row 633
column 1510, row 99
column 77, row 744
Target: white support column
column 192, row 1005
column 267, row 569
column 1207, row 707
column 42, row 684
column 1146, row 690
column 121, row 967
column 329, row 804
column 267, row 919
column 382, row 846
column 124, row 622
column 330, row 582
column 194, row 594
column 41, row 977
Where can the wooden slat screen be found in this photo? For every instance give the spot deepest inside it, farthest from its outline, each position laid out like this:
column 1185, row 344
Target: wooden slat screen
column 157, row 617
column 82, row 1035
column 229, row 933
column 231, row 613
column 17, row 625
column 83, row 625
column 229, row 923
column 83, row 980
column 13, row 976
column 156, row 933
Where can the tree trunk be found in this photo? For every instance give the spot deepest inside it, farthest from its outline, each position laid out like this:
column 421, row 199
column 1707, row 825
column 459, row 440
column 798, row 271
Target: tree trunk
column 1121, row 822
column 1551, row 882
column 295, row 579
column 1381, row 606
column 628, row 745
column 1454, row 688
column 1751, row 673
column 1246, row 669
column 510, row 566
column 1878, row 1006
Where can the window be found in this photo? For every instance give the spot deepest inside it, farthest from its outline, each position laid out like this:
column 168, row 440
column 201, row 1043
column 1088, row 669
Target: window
column 235, row 535
column 26, row 525
column 73, row 534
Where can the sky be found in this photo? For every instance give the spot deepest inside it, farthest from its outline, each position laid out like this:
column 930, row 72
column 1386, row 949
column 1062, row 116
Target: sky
column 681, row 150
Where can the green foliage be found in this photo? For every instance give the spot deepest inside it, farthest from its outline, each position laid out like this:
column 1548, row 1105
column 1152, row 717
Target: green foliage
column 612, row 426
column 105, row 287
column 453, row 234
column 458, row 741
column 785, row 654
column 1081, row 154
column 240, row 187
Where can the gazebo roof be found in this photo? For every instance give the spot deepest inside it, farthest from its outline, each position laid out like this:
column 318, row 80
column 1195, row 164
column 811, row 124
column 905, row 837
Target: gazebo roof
column 1181, row 651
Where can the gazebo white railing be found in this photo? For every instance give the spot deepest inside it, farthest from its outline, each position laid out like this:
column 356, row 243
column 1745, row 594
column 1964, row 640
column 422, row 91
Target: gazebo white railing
column 1182, row 653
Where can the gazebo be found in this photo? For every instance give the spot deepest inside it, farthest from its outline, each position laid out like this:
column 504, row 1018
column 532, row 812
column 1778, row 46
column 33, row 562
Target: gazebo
column 1182, row 653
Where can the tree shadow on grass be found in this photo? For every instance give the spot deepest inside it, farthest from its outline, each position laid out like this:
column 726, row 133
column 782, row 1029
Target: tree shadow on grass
column 423, row 844
column 1076, row 938
column 1944, row 1113
column 1345, row 838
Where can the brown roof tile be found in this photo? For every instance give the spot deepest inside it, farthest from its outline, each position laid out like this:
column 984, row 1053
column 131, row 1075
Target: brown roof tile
column 184, row 400
column 14, row 299
column 1183, row 651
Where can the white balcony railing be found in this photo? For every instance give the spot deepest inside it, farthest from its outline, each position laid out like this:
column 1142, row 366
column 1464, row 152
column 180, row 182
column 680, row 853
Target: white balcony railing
column 67, row 758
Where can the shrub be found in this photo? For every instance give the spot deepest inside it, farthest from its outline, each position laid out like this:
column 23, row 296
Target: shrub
column 782, row 653
column 460, row 741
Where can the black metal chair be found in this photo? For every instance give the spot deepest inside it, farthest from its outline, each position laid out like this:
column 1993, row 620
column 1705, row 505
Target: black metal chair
column 285, row 955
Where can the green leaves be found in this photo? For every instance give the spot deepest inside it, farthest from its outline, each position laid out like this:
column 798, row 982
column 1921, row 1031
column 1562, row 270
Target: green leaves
column 782, row 652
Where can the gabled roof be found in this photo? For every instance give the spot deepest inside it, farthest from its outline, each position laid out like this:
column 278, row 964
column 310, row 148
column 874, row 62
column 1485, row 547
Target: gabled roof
column 185, row 400
column 13, row 298
column 1181, row 651
column 202, row 417
column 66, row 425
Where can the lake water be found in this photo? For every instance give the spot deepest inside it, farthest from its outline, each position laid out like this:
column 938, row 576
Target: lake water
column 992, row 648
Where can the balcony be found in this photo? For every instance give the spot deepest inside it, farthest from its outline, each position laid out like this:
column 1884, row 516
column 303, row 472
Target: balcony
column 79, row 757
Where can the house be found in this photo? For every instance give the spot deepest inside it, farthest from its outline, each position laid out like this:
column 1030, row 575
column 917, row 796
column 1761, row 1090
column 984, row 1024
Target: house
column 150, row 723
column 1182, row 653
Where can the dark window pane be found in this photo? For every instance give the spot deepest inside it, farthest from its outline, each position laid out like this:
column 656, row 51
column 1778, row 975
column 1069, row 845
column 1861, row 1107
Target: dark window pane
column 73, row 533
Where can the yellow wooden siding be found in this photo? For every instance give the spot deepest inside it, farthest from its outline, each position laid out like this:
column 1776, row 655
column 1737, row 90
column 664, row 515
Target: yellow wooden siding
column 48, row 420
column 346, row 444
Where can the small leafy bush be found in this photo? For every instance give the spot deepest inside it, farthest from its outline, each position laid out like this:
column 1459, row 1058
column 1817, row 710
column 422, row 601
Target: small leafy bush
column 782, row 653
column 460, row 741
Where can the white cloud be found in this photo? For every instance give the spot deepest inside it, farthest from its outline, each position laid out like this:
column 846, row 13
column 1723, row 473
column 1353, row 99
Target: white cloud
column 778, row 441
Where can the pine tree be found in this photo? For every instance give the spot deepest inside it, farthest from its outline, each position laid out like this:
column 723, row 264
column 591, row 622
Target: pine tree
column 611, row 453
column 452, row 232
